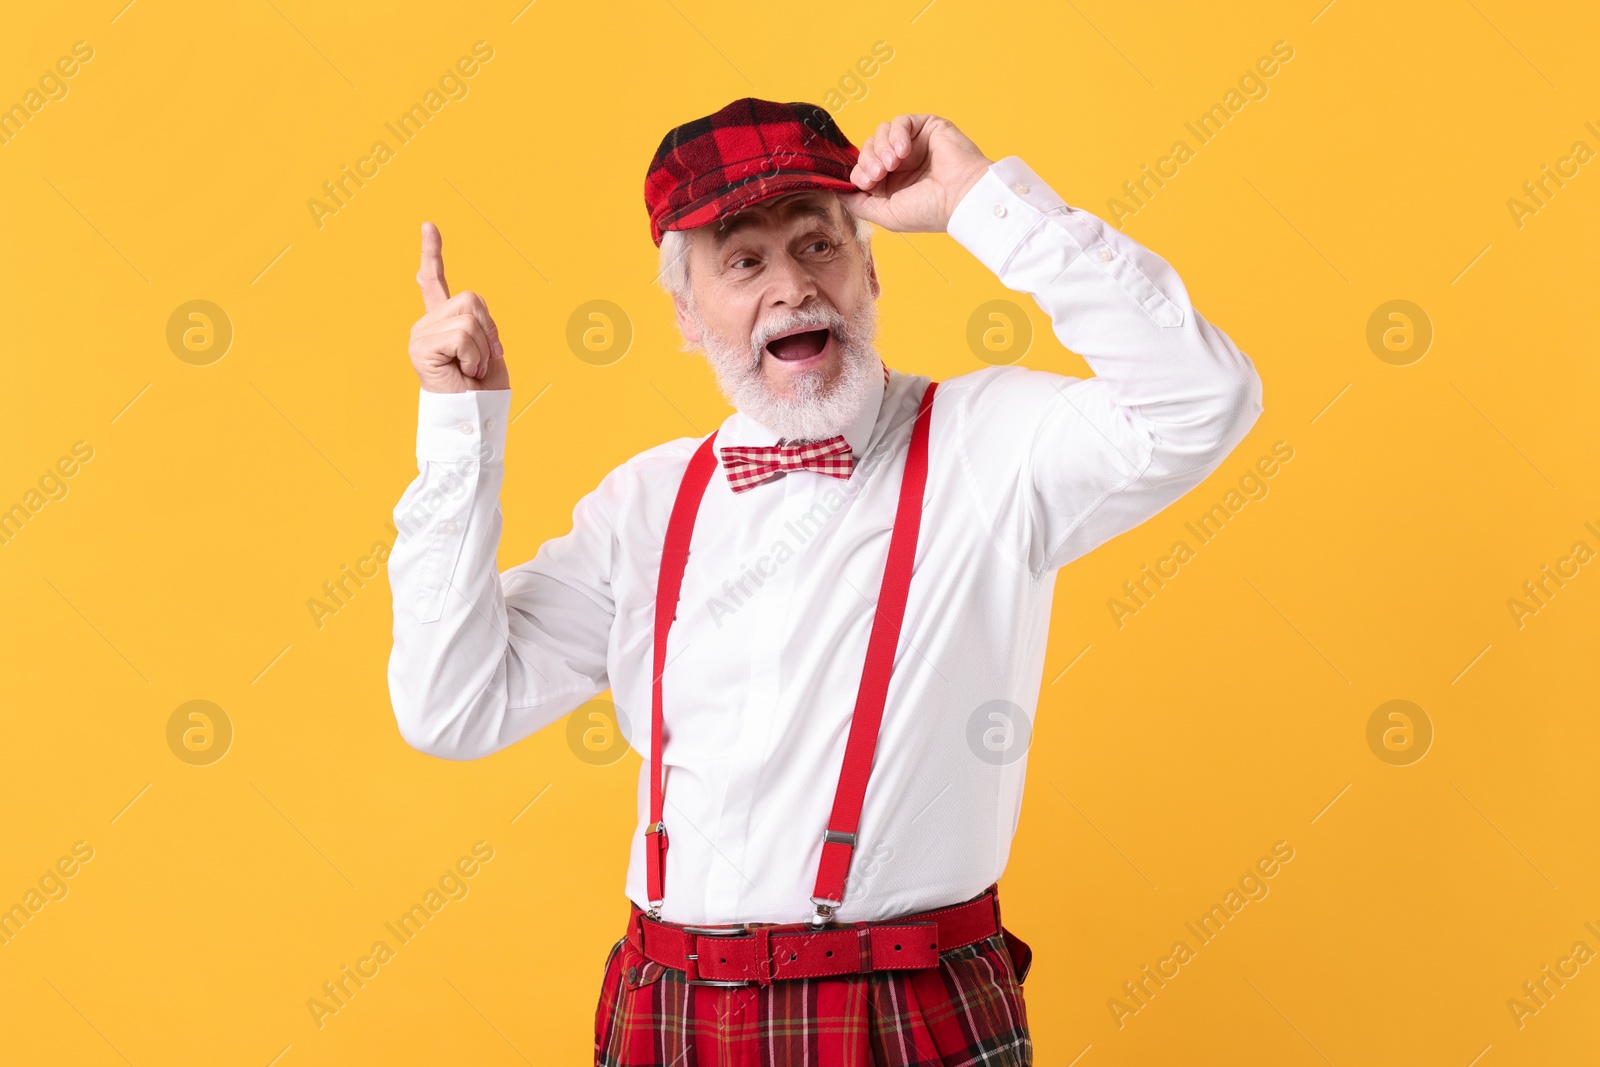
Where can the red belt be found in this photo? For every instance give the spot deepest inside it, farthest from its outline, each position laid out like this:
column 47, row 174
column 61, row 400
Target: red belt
column 741, row 954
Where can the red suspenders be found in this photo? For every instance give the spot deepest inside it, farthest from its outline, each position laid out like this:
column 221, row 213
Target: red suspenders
column 840, row 838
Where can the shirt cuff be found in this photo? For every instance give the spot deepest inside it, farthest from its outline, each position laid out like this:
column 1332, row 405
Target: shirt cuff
column 462, row 426
column 1000, row 210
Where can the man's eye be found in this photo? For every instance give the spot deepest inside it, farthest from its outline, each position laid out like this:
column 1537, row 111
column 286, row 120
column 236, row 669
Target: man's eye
column 743, row 259
column 819, row 241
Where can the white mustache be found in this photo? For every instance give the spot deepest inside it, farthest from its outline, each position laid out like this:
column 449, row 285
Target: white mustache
column 813, row 408
column 818, row 317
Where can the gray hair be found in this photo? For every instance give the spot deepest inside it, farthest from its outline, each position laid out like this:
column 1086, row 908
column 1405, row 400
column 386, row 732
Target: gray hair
column 674, row 272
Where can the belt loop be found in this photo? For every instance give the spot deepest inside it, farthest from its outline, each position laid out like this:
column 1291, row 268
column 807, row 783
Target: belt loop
column 691, row 962
column 765, row 968
column 638, row 930
column 994, row 895
column 864, row 948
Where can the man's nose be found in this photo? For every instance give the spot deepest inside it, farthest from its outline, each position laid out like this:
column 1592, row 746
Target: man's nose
column 792, row 282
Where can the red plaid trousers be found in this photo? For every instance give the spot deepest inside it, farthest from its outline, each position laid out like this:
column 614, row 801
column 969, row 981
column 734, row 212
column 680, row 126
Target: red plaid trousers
column 966, row 1012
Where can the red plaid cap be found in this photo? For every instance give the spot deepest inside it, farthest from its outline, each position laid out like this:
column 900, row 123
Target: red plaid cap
column 749, row 151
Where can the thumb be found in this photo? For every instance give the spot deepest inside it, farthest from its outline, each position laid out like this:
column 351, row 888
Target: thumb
column 874, row 209
column 430, row 276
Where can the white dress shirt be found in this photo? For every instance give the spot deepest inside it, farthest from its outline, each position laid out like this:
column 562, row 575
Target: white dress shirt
column 1027, row 471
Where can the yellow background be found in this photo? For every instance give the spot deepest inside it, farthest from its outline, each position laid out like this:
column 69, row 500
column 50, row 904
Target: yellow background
column 1228, row 714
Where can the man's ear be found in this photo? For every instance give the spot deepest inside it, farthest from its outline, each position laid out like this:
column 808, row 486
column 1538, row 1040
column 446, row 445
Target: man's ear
column 872, row 278
column 686, row 322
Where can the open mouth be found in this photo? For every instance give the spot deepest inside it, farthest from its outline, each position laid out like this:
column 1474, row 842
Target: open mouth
column 800, row 345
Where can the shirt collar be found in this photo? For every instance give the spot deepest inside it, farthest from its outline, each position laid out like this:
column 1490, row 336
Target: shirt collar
column 741, row 429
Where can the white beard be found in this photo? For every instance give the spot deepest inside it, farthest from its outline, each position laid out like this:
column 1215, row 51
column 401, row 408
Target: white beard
column 817, row 408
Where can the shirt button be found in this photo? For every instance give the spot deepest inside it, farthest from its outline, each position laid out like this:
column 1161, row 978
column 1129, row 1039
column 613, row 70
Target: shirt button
column 633, row 976
column 464, row 427
column 999, row 211
column 1021, row 187
column 1105, row 254
column 451, row 527
column 488, row 424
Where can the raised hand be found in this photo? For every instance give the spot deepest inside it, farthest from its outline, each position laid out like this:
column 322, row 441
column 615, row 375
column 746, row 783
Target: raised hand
column 455, row 346
column 913, row 172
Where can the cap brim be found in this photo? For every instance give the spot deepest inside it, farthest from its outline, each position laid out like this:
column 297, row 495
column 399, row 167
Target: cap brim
column 741, row 195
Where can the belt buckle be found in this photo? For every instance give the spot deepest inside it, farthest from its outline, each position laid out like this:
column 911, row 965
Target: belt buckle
column 715, row 931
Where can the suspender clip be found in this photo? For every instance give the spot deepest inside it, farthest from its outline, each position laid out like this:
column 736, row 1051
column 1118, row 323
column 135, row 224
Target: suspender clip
column 824, row 914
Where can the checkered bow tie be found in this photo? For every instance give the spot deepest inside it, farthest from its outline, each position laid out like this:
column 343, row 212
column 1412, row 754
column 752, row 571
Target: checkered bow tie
column 750, row 465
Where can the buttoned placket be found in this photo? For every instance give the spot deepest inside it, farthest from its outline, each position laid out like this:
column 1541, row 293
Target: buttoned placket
column 769, row 611
column 764, row 618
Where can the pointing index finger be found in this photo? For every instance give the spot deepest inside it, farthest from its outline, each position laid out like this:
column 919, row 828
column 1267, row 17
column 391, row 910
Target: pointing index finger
column 430, row 275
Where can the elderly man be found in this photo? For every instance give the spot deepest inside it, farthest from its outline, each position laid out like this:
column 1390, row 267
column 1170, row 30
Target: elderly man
column 835, row 608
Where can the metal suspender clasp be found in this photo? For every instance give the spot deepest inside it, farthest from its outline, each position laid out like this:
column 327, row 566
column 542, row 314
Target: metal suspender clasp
column 824, row 914
column 658, row 828
column 825, row 906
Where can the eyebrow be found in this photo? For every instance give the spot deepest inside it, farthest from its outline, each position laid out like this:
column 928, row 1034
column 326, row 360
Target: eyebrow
column 794, row 209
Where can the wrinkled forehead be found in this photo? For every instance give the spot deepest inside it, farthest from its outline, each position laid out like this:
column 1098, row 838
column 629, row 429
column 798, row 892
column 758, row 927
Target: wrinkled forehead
column 780, row 213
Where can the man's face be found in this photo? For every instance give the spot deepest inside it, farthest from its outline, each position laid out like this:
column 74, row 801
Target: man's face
column 784, row 308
